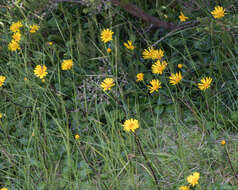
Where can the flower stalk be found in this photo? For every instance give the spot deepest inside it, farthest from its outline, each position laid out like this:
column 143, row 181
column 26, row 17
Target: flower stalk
column 147, row 160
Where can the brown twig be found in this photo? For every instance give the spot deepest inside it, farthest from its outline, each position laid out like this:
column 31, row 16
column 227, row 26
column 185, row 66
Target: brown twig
column 139, row 13
column 147, row 161
column 229, row 160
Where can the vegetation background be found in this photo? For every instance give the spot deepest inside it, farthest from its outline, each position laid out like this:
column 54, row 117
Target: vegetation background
column 181, row 127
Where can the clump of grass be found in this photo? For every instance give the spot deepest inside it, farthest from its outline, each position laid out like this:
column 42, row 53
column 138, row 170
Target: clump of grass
column 72, row 77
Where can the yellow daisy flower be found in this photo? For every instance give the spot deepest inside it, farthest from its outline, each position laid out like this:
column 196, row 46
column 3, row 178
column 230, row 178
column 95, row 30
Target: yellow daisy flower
column 50, row 43
column 15, row 27
column 34, row 28
column 40, row 71
column 67, row 64
column 184, row 188
column 107, row 84
column 16, row 36
column 223, row 142
column 106, row 35
column 129, row 45
column 157, row 54
column 76, row 137
column 13, row 46
column 147, row 53
column 4, row 188
column 2, row 80
column 218, row 12
column 193, row 179
column 182, row 17
column 158, row 67
column 175, row 78
column 0, row 115
column 205, row 83
column 140, row 77
column 155, row 85
column 131, row 125
column 152, row 53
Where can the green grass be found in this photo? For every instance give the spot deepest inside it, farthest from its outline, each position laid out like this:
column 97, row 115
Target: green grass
column 181, row 127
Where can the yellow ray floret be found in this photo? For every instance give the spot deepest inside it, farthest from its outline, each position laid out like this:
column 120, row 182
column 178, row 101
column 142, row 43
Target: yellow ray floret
column 205, row 83
column 131, row 125
column 155, row 84
column 106, row 35
column 107, row 84
column 40, row 71
column 218, row 12
column 175, row 78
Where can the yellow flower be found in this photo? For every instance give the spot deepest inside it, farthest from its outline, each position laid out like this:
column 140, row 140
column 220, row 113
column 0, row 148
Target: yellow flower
column 131, row 125
column 107, row 84
column 17, row 36
column 13, row 45
column 50, row 43
column 76, row 136
column 152, row 53
column 180, row 66
column 147, row 53
column 175, row 78
column 184, row 188
column 129, row 45
column 67, row 64
column 40, row 71
column 140, row 77
column 106, row 35
column 223, row 142
column 0, row 115
column 34, row 28
column 109, row 50
column 193, row 179
column 155, row 85
column 182, row 17
column 15, row 27
column 4, row 188
column 2, row 80
column 157, row 54
column 205, row 83
column 218, row 12
column 158, row 67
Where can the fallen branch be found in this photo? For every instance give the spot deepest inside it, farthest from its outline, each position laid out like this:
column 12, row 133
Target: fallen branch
column 139, row 13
